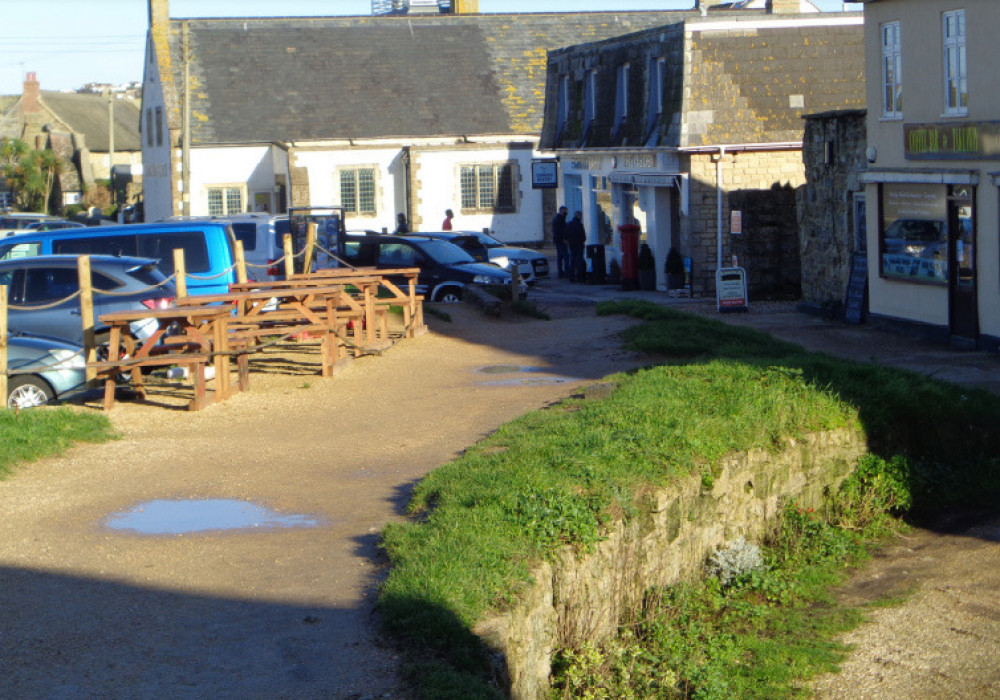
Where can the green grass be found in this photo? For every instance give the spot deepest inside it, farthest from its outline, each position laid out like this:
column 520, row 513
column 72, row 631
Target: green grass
column 30, row 435
column 557, row 477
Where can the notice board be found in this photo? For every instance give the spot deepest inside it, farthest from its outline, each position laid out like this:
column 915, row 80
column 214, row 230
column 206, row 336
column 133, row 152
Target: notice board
column 857, row 289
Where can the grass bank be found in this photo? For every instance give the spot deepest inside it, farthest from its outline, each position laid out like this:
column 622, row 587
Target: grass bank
column 30, row 435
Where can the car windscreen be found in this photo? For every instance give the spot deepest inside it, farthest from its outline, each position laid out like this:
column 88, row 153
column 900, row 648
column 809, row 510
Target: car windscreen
column 444, row 252
column 488, row 241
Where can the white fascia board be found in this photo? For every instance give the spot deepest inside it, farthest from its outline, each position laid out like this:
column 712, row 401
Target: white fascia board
column 797, row 23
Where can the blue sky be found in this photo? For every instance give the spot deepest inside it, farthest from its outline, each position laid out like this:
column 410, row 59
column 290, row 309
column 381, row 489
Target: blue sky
column 68, row 43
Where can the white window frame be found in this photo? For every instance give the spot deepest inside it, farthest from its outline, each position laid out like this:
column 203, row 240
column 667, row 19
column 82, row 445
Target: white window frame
column 590, row 98
column 226, row 191
column 892, row 73
column 956, row 69
column 356, row 209
column 657, row 73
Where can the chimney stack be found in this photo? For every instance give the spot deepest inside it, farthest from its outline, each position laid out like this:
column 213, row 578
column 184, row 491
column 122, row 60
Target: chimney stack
column 29, row 98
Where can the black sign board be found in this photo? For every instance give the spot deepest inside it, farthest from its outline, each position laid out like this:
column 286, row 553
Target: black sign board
column 857, row 288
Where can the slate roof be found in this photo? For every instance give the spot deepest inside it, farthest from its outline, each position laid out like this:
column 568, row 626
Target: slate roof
column 87, row 114
column 281, row 79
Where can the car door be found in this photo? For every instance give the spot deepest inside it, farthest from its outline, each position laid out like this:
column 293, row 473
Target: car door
column 49, row 307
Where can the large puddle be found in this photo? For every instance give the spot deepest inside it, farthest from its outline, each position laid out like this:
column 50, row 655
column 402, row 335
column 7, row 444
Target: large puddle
column 163, row 517
column 515, row 378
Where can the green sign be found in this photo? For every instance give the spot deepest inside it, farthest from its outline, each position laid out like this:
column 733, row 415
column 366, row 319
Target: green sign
column 954, row 141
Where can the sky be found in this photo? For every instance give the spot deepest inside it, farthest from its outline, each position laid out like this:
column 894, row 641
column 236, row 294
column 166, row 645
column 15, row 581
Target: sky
column 68, row 43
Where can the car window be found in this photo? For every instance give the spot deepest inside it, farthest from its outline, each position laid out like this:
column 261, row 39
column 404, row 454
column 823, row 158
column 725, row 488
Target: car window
column 396, row 255
column 103, row 282
column 45, row 285
column 14, row 251
column 96, row 245
column 247, row 233
column 147, row 275
column 162, row 247
column 14, row 279
column 445, row 252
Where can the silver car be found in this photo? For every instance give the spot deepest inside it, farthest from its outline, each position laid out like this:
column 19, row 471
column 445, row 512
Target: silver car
column 41, row 369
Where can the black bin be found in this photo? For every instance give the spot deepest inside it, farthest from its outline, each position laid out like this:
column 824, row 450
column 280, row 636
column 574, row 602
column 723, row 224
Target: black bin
column 598, row 265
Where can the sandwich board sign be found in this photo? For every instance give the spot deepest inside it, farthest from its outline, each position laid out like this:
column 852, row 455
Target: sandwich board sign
column 731, row 289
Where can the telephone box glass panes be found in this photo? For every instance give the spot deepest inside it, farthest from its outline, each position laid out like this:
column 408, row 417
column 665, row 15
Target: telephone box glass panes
column 965, row 257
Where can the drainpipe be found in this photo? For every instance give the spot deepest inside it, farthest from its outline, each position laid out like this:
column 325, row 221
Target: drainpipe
column 408, row 193
column 718, row 205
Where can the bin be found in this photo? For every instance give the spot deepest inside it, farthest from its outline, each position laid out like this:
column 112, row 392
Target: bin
column 630, row 255
column 598, row 264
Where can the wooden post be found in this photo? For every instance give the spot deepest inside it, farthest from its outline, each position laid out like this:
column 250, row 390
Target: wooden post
column 180, row 273
column 289, row 260
column 310, row 247
column 241, row 262
column 87, row 315
column 3, row 344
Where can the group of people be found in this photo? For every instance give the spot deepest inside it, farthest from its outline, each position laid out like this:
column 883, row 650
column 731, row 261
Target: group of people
column 403, row 226
column 570, row 238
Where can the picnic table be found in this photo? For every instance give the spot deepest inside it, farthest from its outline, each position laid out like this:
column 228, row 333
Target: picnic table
column 193, row 337
column 253, row 315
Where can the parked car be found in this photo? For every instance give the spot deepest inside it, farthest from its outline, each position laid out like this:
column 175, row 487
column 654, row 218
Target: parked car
column 53, row 225
column 42, row 369
column 16, row 222
column 207, row 246
column 445, row 269
column 37, row 285
column 530, row 263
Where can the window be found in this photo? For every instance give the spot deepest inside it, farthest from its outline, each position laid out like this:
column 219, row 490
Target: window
column 956, row 76
column 621, row 96
column 590, row 98
column 159, row 126
column 488, row 187
column 657, row 74
column 357, row 190
column 913, row 234
column 892, row 79
column 225, row 200
column 562, row 105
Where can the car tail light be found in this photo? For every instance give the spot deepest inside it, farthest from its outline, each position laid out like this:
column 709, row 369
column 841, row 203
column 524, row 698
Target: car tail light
column 273, row 270
column 160, row 303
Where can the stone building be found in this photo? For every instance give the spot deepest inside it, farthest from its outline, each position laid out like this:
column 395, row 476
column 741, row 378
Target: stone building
column 88, row 133
column 667, row 126
column 831, row 206
column 382, row 115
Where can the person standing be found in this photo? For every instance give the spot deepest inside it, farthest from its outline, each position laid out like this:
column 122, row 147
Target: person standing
column 559, row 240
column 402, row 226
column 576, row 240
column 448, row 216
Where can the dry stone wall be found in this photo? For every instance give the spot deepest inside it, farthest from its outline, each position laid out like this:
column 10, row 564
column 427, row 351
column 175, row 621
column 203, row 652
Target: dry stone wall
column 575, row 599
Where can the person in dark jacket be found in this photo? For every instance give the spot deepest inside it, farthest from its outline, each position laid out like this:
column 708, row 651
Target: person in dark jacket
column 559, row 240
column 402, row 225
column 576, row 239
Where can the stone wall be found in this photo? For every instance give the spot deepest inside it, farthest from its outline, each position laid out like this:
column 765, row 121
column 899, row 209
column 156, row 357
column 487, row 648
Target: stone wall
column 768, row 248
column 580, row 599
column 834, row 154
column 741, row 172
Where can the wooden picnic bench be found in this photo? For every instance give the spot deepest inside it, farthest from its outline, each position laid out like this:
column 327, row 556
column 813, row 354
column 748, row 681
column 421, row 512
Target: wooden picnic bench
column 192, row 337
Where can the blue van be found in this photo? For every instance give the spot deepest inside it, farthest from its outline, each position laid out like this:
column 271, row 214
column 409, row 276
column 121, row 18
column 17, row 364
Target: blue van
column 208, row 248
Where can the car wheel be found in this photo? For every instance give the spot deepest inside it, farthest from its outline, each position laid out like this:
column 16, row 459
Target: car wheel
column 450, row 296
column 26, row 391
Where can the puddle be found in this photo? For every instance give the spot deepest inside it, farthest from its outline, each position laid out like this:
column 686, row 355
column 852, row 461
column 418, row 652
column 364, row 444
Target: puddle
column 163, row 517
column 528, row 381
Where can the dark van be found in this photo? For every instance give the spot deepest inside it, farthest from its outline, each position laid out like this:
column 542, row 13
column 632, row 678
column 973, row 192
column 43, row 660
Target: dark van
column 208, row 248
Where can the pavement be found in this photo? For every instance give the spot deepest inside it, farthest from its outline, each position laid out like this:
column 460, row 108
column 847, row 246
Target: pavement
column 873, row 342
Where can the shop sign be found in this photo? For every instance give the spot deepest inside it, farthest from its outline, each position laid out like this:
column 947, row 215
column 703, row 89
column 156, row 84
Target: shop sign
column 731, row 289
column 956, row 141
column 544, row 174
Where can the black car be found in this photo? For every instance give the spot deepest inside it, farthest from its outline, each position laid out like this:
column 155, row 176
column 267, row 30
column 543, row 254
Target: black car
column 41, row 289
column 445, row 269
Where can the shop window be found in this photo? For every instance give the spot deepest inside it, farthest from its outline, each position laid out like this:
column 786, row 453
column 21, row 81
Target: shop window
column 913, row 239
